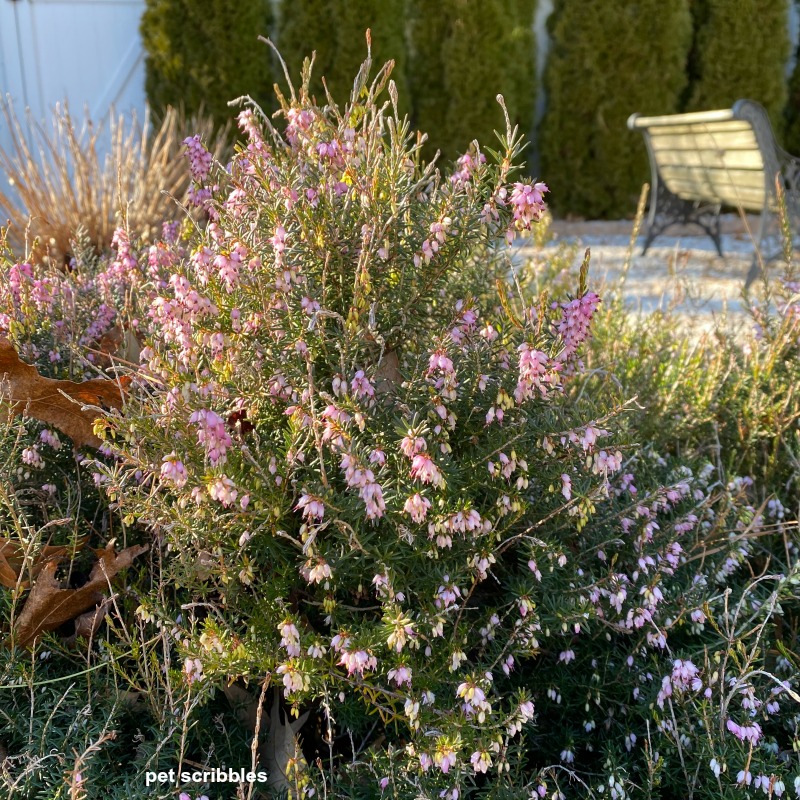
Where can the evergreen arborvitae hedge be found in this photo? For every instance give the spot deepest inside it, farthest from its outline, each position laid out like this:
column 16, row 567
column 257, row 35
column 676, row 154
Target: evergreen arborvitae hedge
column 791, row 131
column 426, row 70
column 521, row 91
column 740, row 50
column 465, row 53
column 607, row 61
column 386, row 20
column 336, row 31
column 203, row 53
column 305, row 27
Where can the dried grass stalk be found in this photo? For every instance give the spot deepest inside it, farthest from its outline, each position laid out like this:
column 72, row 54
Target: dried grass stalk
column 94, row 178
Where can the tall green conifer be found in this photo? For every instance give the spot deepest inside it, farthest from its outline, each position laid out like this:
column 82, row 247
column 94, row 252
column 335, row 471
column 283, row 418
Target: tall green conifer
column 607, row 61
column 203, row 53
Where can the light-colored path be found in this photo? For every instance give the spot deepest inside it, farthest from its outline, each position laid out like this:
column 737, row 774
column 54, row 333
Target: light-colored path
column 680, row 272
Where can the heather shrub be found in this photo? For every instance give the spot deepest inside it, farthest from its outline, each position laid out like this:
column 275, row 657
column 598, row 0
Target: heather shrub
column 392, row 504
column 201, row 55
column 740, row 50
column 388, row 496
column 791, row 113
column 594, row 165
column 90, row 703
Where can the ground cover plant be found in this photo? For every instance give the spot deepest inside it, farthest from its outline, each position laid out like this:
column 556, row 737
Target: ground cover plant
column 387, row 530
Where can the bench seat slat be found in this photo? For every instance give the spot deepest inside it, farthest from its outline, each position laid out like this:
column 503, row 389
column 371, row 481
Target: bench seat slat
column 741, row 140
column 734, row 126
column 749, row 199
column 747, row 179
column 713, row 159
column 718, row 115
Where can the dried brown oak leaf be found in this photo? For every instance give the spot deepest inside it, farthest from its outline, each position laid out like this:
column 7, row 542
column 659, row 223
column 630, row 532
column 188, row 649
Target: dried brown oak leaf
column 12, row 560
column 48, row 606
column 118, row 344
column 44, row 398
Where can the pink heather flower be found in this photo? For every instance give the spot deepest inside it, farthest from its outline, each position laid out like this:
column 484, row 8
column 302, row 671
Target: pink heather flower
column 536, row 374
column 316, row 570
column 411, row 445
column 300, row 121
column 425, row 761
column 527, row 201
column 439, row 360
column 447, row 594
column 199, row 158
column 212, row 433
column 361, row 386
column 248, row 124
column 575, row 321
column 292, row 678
column 744, row 777
column 566, row 486
column 312, row 507
column 50, row 438
column 417, row 507
column 193, row 669
column 683, row 673
column 309, row 306
column 750, row 733
column 400, row 675
column 290, row 637
column 31, row 457
column 424, row 468
column 589, row 437
column 372, row 495
column 467, row 165
column 223, row 490
column 481, row 761
column 278, row 242
column 173, row 470
column 377, row 457
column 445, row 758
column 357, row 662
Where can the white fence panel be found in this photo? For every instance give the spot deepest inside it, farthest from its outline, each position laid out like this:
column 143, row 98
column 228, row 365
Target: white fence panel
column 87, row 52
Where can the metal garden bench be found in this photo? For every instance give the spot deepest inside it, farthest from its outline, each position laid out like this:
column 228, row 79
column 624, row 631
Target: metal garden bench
column 703, row 161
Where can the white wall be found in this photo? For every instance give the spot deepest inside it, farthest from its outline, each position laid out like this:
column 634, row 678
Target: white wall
column 87, row 52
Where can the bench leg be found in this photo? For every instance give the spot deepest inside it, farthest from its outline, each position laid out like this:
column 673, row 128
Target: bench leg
column 715, row 233
column 648, row 239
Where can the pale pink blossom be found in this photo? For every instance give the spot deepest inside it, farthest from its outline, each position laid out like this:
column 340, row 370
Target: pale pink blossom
column 417, row 507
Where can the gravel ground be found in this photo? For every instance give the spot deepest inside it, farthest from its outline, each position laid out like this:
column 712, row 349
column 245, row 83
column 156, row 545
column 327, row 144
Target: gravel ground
column 681, row 271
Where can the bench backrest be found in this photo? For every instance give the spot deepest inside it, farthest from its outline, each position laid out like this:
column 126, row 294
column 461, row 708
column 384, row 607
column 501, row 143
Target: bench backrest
column 727, row 156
